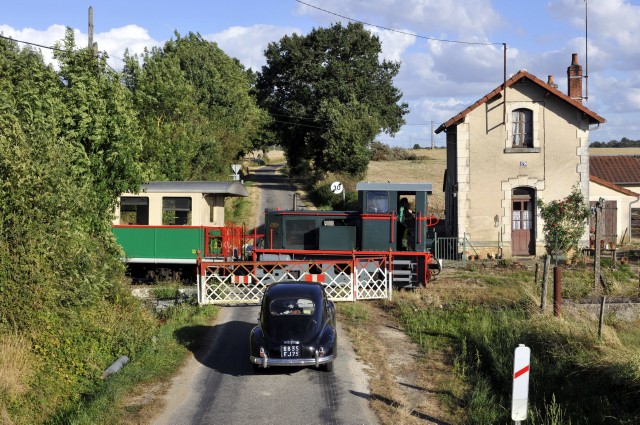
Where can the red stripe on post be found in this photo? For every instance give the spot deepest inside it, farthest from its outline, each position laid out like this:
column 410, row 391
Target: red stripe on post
column 521, row 372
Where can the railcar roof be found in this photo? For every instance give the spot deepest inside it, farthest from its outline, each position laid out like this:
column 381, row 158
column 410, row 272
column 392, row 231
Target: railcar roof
column 229, row 188
column 398, row 187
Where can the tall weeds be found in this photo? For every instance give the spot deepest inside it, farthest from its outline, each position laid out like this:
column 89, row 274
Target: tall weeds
column 575, row 378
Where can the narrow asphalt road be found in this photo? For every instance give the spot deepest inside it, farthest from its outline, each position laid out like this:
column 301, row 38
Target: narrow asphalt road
column 218, row 385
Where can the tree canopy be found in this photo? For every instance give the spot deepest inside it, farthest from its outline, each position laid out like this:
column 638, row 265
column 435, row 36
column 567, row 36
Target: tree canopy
column 69, row 145
column 328, row 95
column 195, row 109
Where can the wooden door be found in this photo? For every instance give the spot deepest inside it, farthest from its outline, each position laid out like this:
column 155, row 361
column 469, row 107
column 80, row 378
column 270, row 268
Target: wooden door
column 522, row 223
column 609, row 223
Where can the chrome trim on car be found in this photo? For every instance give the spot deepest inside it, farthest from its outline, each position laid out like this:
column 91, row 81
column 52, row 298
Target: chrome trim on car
column 312, row 361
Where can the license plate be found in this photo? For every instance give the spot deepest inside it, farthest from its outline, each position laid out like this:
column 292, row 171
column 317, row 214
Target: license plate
column 290, row 351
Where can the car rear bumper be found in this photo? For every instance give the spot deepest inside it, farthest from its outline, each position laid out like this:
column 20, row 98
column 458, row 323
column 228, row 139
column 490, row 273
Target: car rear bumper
column 309, row 361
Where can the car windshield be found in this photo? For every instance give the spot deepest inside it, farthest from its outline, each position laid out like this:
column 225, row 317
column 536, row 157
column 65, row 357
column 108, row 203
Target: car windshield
column 286, row 306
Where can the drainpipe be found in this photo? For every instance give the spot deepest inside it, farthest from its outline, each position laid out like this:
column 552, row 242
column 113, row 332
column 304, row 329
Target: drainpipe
column 631, row 203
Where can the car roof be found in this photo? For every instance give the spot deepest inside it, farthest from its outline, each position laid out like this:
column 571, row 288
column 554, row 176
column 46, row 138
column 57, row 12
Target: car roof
column 295, row 289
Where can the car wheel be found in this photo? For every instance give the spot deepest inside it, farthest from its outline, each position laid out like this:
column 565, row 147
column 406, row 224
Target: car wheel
column 328, row 367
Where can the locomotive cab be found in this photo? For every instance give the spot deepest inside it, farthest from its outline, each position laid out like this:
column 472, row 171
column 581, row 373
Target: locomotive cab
column 391, row 223
column 386, row 224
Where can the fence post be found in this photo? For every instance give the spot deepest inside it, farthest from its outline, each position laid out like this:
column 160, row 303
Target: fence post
column 545, row 280
column 436, row 251
column 464, row 249
column 557, row 290
column 602, row 305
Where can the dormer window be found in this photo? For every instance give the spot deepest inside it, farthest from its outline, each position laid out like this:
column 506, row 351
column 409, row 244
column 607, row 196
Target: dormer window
column 522, row 128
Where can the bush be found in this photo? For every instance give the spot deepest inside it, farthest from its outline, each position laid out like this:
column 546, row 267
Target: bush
column 564, row 222
column 383, row 152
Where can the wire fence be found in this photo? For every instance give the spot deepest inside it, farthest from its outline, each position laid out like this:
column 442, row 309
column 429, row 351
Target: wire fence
column 463, row 250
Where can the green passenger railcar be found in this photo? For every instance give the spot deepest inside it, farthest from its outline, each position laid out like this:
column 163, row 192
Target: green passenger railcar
column 167, row 223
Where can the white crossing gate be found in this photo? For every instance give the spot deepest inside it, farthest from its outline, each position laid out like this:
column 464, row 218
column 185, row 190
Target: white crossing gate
column 244, row 282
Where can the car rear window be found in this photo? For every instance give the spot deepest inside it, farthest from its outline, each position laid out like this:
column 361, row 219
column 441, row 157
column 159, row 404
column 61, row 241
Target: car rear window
column 298, row 306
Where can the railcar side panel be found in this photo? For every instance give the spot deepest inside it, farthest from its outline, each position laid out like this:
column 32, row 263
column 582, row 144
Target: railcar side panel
column 160, row 244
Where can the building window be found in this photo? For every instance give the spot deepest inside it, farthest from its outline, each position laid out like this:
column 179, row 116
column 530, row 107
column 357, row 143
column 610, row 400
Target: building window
column 522, row 128
column 134, row 210
column 176, row 211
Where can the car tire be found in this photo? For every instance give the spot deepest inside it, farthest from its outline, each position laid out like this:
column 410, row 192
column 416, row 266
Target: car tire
column 328, row 367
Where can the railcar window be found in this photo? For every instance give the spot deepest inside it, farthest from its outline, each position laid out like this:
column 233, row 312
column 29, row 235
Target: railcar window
column 176, row 211
column 377, row 202
column 134, row 210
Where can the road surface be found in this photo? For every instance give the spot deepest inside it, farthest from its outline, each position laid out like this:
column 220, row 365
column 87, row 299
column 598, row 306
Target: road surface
column 218, row 385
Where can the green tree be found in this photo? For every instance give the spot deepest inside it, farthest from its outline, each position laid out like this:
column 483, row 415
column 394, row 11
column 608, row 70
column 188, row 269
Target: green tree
column 196, row 108
column 99, row 116
column 67, row 147
column 307, row 77
column 347, row 137
column 564, row 222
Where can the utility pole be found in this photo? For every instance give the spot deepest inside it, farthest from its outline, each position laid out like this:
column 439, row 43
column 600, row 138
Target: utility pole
column 91, row 44
column 433, row 137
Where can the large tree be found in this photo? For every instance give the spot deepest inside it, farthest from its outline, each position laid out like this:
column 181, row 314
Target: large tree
column 329, row 95
column 195, row 107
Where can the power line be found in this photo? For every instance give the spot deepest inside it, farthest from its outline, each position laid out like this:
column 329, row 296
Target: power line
column 398, row 31
column 52, row 48
column 32, row 44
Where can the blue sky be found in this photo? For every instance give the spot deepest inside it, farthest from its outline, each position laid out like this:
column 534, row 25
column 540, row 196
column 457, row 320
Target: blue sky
column 438, row 79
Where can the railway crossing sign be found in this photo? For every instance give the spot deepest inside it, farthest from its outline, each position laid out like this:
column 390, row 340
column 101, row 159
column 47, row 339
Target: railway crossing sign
column 337, row 188
column 521, row 367
column 236, row 170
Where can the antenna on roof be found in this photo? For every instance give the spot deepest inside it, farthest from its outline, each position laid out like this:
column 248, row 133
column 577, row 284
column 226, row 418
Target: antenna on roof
column 586, row 51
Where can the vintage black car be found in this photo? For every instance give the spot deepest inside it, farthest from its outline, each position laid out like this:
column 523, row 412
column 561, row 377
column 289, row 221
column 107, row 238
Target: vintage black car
column 296, row 327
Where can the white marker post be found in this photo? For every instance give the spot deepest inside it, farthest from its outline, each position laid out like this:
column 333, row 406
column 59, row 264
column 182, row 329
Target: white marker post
column 521, row 367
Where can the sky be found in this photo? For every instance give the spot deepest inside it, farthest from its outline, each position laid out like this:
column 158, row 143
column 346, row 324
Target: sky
column 451, row 51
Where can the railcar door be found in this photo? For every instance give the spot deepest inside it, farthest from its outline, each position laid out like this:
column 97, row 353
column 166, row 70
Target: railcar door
column 377, row 232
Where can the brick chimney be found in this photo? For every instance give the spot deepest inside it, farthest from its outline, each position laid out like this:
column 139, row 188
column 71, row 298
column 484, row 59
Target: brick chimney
column 551, row 82
column 574, row 79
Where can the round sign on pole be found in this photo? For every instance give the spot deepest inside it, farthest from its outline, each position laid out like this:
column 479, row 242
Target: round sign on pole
column 337, row 188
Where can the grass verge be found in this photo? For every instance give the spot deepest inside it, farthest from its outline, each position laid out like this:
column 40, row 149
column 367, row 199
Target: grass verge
column 575, row 378
column 111, row 403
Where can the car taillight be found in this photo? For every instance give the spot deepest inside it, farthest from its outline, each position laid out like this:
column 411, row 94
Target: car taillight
column 262, row 352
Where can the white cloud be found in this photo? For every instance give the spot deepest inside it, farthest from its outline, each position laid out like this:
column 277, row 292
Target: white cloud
column 114, row 41
column 247, row 44
column 462, row 17
column 394, row 44
column 613, row 28
column 117, row 40
column 48, row 38
column 633, row 97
